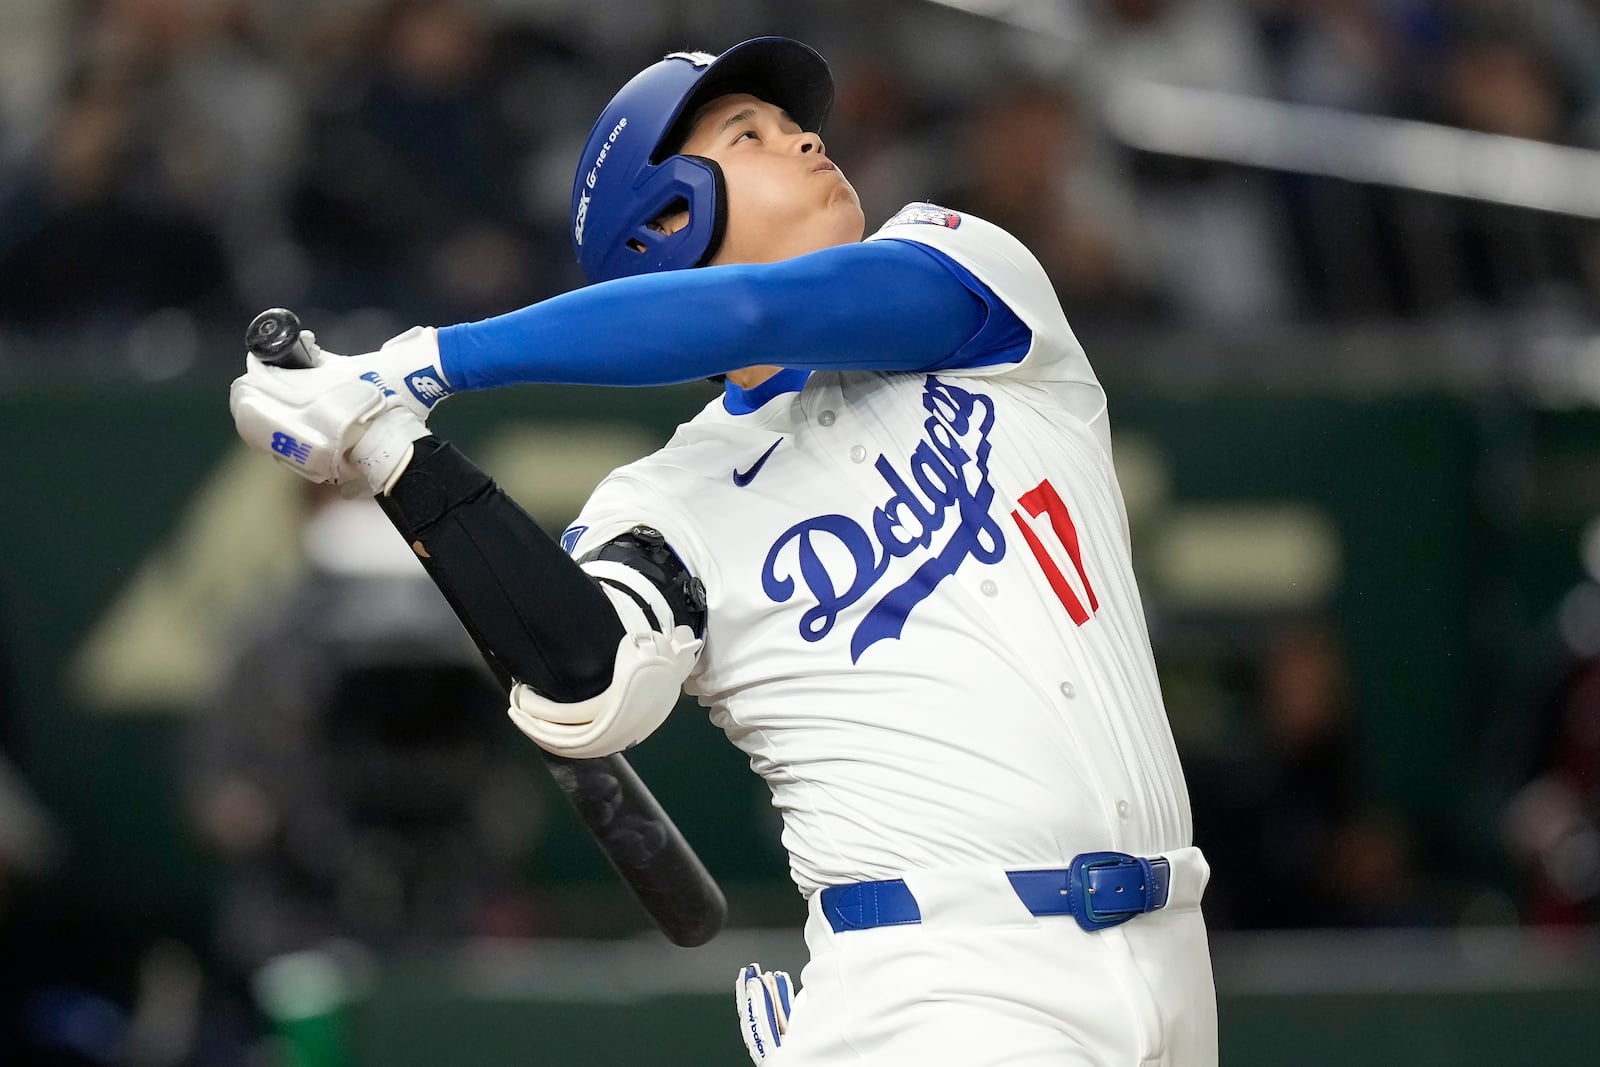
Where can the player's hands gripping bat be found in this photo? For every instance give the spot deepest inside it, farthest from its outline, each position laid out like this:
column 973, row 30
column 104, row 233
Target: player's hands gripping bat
column 633, row 831
column 336, row 419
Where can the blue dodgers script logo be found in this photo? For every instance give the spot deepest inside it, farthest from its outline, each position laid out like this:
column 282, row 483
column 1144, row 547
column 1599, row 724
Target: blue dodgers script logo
column 949, row 477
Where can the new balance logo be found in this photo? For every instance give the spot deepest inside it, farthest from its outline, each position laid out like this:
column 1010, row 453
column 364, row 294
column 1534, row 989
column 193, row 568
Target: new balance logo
column 427, row 389
column 376, row 379
column 289, row 448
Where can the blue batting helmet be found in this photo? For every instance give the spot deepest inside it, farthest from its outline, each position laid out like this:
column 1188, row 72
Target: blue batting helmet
column 630, row 173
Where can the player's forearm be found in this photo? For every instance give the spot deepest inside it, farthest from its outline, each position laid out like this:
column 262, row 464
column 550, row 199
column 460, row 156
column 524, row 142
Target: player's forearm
column 523, row 598
column 883, row 305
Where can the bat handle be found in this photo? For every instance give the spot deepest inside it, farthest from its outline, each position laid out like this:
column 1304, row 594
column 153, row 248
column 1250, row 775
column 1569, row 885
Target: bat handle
column 274, row 339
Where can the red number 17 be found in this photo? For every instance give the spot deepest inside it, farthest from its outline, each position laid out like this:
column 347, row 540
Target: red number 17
column 1042, row 500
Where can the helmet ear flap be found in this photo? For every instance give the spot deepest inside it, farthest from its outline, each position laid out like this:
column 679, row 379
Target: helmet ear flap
column 719, row 209
column 694, row 182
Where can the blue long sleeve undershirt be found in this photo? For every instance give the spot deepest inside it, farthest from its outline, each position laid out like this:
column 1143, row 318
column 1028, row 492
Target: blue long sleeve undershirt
column 875, row 305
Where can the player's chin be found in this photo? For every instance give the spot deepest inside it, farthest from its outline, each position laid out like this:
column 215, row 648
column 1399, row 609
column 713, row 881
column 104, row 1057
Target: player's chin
column 843, row 210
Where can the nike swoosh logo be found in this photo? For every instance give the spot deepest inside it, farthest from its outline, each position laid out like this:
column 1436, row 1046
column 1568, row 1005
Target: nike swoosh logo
column 743, row 478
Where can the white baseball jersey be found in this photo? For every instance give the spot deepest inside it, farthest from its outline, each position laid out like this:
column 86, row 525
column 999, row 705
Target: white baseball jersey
column 923, row 623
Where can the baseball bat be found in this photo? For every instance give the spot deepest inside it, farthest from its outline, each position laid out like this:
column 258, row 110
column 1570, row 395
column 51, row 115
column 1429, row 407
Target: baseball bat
column 273, row 337
column 627, row 822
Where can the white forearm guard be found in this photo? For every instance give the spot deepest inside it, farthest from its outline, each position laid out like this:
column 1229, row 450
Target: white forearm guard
column 645, row 683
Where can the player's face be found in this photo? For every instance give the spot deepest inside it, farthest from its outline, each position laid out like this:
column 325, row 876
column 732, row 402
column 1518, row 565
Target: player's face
column 785, row 196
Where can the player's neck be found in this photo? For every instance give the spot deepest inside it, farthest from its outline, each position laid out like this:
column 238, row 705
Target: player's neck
column 750, row 377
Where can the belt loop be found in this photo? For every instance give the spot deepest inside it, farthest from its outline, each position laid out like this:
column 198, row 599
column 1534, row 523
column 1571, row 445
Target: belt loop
column 864, row 905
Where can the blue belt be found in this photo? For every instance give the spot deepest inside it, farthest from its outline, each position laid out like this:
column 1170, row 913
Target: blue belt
column 1099, row 889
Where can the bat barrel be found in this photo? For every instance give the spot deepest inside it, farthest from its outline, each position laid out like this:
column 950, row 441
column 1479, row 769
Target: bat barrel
column 644, row 846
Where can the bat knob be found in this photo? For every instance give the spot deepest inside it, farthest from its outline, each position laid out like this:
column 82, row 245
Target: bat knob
column 272, row 338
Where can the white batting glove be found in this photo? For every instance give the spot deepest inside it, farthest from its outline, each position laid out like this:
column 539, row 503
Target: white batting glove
column 408, row 365
column 406, row 370
column 339, row 430
column 385, row 449
column 764, row 1000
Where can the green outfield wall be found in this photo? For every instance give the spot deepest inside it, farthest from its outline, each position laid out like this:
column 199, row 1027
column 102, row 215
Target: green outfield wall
column 1437, row 532
column 1446, row 999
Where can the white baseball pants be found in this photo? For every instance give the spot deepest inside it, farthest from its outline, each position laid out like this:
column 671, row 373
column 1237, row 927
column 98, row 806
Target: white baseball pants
column 981, row 982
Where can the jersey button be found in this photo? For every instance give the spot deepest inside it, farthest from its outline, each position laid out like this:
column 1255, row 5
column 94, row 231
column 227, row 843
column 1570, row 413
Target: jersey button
column 989, row 588
column 858, row 454
column 1069, row 690
column 1124, row 809
column 826, row 418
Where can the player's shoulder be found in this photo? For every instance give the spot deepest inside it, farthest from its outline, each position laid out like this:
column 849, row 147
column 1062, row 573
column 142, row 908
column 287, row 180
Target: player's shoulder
column 1001, row 263
column 956, row 233
column 989, row 252
column 642, row 492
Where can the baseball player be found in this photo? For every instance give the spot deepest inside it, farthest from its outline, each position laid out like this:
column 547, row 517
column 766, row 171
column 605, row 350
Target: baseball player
column 891, row 558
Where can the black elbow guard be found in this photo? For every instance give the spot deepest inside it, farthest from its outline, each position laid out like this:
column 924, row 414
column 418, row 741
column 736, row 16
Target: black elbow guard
column 646, row 551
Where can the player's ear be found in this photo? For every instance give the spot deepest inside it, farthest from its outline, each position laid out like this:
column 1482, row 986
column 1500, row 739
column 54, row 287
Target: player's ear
column 671, row 220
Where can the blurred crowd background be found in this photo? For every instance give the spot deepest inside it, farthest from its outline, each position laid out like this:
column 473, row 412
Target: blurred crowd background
column 415, row 158
column 170, row 167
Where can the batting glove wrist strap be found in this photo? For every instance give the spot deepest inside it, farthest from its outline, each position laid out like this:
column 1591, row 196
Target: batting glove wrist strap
column 407, row 367
column 385, row 449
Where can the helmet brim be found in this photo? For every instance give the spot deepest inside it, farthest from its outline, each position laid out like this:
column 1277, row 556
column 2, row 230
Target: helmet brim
column 778, row 70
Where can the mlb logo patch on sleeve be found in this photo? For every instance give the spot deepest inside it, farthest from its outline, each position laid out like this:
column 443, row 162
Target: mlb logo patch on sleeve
column 569, row 538
column 931, row 214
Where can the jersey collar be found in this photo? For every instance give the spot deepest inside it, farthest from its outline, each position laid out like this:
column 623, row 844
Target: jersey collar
column 739, row 401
